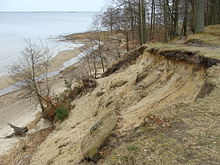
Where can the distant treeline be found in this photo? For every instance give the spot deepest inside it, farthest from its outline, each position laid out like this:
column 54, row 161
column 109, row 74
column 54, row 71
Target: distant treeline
column 160, row 20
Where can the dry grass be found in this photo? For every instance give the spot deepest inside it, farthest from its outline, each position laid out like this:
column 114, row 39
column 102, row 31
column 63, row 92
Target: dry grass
column 210, row 37
column 206, row 51
column 89, row 36
column 206, row 44
column 193, row 135
column 213, row 29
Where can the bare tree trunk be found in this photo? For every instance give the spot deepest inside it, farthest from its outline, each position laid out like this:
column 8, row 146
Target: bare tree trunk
column 35, row 88
column 165, row 8
column 206, row 12
column 199, row 17
column 132, row 19
column 127, row 33
column 142, row 22
column 185, row 21
column 176, row 18
column 100, row 52
column 218, row 14
column 94, row 62
column 95, row 68
column 152, row 20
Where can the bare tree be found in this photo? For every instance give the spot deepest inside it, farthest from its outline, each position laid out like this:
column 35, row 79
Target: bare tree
column 31, row 73
column 96, row 26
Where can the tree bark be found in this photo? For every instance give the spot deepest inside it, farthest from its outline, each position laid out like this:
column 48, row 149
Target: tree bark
column 185, row 21
column 152, row 20
column 132, row 19
column 142, row 22
column 165, row 8
column 176, row 18
column 199, row 16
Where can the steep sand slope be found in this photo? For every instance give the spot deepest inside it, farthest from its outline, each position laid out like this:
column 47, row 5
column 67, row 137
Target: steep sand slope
column 158, row 105
column 119, row 105
column 186, row 134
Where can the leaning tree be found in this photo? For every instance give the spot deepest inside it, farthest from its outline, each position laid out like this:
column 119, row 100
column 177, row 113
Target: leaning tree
column 31, row 74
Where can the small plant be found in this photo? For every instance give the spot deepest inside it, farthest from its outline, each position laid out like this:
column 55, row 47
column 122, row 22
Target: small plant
column 132, row 148
column 61, row 113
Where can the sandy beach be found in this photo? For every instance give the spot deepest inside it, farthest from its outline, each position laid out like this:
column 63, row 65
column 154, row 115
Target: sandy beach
column 4, row 81
column 56, row 65
column 22, row 112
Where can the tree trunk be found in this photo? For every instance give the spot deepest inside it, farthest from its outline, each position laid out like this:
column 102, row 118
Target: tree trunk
column 100, row 51
column 152, row 20
column 176, row 18
column 140, row 27
column 132, row 19
column 199, row 16
column 218, row 14
column 18, row 131
column 185, row 21
column 206, row 12
column 142, row 22
column 95, row 68
column 165, row 10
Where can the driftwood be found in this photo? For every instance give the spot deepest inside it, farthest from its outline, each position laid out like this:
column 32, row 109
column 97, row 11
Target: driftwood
column 18, row 131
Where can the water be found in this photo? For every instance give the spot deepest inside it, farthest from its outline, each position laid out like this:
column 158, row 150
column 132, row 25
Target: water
column 66, row 64
column 47, row 26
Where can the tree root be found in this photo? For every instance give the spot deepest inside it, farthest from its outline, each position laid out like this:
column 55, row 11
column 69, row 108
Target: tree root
column 18, row 131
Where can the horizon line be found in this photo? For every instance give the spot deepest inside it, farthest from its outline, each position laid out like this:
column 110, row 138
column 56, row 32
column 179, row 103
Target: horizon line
column 43, row 11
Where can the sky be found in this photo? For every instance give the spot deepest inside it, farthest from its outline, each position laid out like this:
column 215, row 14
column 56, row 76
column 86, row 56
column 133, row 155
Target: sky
column 51, row 5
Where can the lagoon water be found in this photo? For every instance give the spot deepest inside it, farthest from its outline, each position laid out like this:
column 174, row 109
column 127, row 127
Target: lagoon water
column 35, row 26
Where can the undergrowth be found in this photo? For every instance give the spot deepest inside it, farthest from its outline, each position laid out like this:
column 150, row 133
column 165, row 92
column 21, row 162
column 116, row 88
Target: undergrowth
column 62, row 112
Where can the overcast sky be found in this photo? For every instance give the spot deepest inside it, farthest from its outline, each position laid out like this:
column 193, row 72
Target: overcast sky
column 51, row 5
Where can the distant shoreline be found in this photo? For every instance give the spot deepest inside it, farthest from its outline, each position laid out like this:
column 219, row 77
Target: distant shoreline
column 49, row 11
column 57, row 65
column 57, row 61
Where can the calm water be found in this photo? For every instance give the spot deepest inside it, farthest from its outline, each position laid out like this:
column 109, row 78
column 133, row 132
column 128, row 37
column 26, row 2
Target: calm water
column 15, row 27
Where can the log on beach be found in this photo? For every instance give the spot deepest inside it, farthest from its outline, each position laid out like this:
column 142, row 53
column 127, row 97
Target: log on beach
column 18, row 131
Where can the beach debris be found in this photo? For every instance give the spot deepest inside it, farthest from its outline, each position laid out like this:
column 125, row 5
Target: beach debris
column 18, row 131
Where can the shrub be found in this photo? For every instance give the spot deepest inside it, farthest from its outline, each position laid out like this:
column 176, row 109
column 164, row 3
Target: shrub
column 62, row 112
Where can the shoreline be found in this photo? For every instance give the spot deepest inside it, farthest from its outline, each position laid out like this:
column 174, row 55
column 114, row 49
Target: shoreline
column 57, row 65
column 57, row 61
column 22, row 112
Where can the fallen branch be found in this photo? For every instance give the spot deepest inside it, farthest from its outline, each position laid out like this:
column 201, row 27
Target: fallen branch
column 18, row 131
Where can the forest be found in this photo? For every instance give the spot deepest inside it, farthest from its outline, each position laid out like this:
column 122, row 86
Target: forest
column 160, row 20
column 122, row 25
